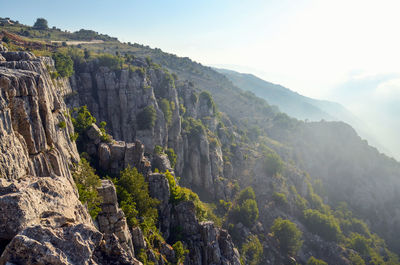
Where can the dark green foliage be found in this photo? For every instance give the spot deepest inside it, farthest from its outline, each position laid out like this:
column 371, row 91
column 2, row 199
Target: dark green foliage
column 82, row 119
column 41, row 24
column 62, row 124
column 246, row 209
column 171, row 156
column 280, row 198
column 288, row 235
column 146, row 119
column 87, row 182
column 246, row 194
column 273, row 164
column 355, row 259
column 180, row 252
column 64, row 64
column 111, row 61
column 179, row 194
column 314, row 261
column 324, row 225
column 105, row 137
column 360, row 244
column 166, row 108
column 252, row 251
column 193, row 127
column 133, row 194
column 158, row 150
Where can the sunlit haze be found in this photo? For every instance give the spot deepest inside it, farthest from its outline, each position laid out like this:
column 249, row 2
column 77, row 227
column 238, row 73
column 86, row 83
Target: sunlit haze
column 344, row 51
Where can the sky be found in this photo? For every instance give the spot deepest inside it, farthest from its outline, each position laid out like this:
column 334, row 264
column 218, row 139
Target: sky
column 346, row 51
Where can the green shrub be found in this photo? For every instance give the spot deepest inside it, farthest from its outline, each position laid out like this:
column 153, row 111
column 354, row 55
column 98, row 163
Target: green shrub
column 323, row 225
column 273, row 164
column 64, row 64
column 87, row 182
column 146, row 119
column 105, row 137
column 133, row 194
column 246, row 194
column 280, row 198
column 193, row 127
column 62, row 124
column 41, row 24
column 171, row 156
column 111, row 61
column 166, row 108
column 246, row 213
column 314, row 261
column 245, row 209
column 179, row 194
column 82, row 119
column 252, row 251
column 288, row 235
column 355, row 259
column 360, row 244
column 158, row 150
column 180, row 252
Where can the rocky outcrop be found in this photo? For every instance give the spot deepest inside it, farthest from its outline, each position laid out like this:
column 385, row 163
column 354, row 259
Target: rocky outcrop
column 41, row 219
column 207, row 244
column 113, row 156
column 120, row 97
column 112, row 219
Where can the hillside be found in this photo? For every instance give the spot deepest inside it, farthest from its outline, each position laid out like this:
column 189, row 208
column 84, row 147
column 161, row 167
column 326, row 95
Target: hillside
column 278, row 190
column 299, row 106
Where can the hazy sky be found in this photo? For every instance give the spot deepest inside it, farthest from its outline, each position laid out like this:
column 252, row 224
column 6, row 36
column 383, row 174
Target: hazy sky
column 346, row 51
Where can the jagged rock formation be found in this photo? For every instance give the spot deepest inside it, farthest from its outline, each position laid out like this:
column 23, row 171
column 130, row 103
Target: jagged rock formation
column 118, row 97
column 112, row 219
column 113, row 156
column 207, row 244
column 42, row 221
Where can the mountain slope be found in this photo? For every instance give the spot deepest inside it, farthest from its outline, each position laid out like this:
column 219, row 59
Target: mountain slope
column 299, row 106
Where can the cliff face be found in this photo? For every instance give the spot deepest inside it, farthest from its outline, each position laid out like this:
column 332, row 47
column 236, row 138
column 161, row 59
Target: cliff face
column 119, row 97
column 42, row 221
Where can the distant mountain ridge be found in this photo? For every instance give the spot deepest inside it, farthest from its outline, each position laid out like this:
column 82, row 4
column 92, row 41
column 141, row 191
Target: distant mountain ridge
column 299, row 106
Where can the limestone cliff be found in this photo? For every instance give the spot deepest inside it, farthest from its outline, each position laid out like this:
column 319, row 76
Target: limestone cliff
column 120, row 96
column 42, row 221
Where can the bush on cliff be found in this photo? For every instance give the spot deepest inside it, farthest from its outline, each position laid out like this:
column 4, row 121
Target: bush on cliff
column 314, row 261
column 252, row 251
column 135, row 201
column 87, row 182
column 324, row 225
column 146, row 119
column 288, row 235
column 64, row 64
column 245, row 209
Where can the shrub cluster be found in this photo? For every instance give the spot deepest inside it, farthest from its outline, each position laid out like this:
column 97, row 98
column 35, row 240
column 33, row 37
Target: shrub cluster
column 288, row 235
column 146, row 119
column 64, row 64
column 245, row 209
column 87, row 182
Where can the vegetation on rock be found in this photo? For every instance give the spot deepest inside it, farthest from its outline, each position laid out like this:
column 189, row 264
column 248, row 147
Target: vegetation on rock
column 288, row 235
column 87, row 183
